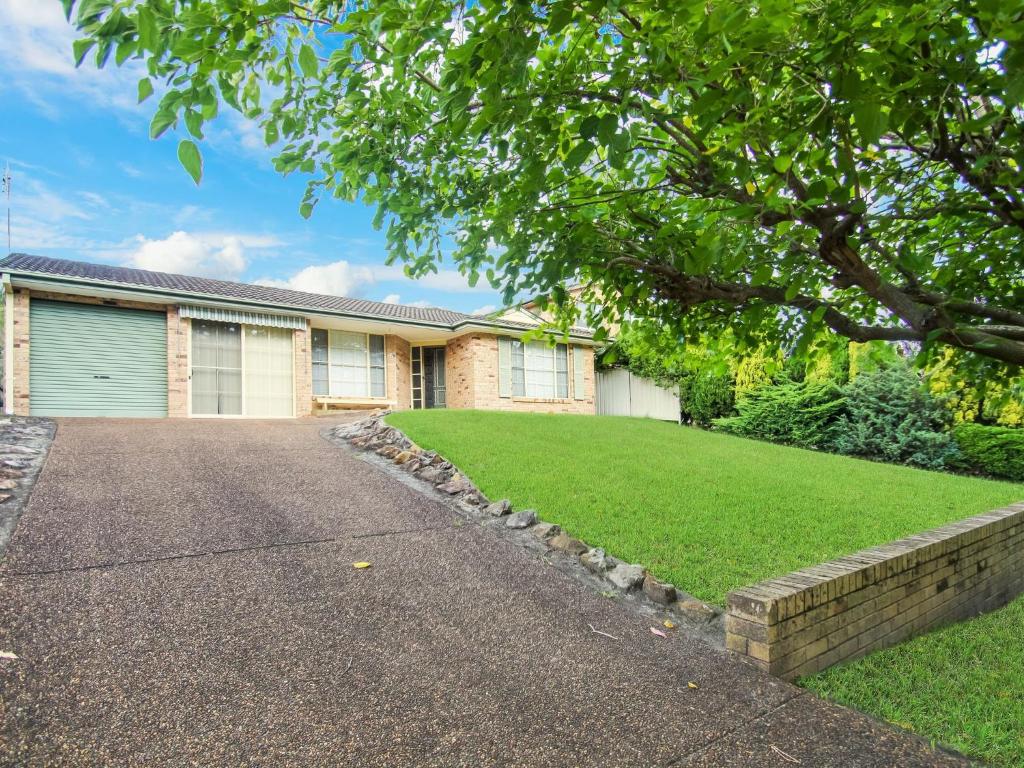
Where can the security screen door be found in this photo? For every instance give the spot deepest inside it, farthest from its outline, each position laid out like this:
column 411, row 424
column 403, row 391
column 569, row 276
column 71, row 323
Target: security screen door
column 216, row 368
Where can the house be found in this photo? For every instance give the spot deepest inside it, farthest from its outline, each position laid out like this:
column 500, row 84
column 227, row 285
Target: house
column 83, row 339
column 587, row 300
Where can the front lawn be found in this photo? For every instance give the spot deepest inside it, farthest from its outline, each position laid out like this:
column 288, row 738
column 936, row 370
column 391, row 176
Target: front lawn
column 708, row 512
column 961, row 685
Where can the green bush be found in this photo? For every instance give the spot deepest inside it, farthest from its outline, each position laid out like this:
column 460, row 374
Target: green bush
column 796, row 413
column 705, row 396
column 890, row 416
column 995, row 451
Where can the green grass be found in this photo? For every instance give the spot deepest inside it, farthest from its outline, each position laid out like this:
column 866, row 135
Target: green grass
column 962, row 686
column 708, row 512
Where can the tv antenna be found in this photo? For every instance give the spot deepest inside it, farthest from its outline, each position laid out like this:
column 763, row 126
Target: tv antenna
column 7, row 192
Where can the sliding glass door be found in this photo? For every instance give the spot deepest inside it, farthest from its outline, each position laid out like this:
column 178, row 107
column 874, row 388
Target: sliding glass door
column 241, row 370
column 268, row 371
column 216, row 369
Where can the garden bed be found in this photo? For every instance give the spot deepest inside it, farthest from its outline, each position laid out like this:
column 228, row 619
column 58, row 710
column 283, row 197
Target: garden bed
column 708, row 512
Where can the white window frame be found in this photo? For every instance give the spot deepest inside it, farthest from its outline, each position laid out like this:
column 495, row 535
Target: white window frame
column 369, row 367
column 552, row 351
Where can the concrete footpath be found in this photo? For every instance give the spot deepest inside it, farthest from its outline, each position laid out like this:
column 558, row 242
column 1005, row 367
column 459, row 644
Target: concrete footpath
column 182, row 593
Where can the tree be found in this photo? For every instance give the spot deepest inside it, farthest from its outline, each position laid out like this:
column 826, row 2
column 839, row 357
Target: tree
column 786, row 169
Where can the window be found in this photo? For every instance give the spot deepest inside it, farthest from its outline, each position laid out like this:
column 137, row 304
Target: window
column 347, row 364
column 320, row 378
column 539, row 370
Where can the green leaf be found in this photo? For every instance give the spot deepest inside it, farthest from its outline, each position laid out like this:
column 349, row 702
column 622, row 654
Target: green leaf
column 270, row 133
column 782, row 163
column 579, row 154
column 80, row 48
column 588, row 127
column 162, row 120
column 870, row 121
column 307, row 61
column 607, row 127
column 194, row 123
column 145, row 89
column 306, row 210
column 69, row 5
column 560, row 18
column 190, row 159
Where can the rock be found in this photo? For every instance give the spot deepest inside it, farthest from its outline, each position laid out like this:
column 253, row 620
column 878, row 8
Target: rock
column 403, row 456
column 499, row 508
column 544, row 531
column 659, row 591
column 4, row 497
column 432, row 475
column 696, row 610
column 626, row 576
column 523, row 519
column 8, row 485
column 474, row 498
column 458, row 484
column 595, row 560
column 388, row 451
column 566, row 543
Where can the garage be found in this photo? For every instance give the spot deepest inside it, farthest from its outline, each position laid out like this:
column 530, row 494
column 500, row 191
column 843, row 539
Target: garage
column 96, row 360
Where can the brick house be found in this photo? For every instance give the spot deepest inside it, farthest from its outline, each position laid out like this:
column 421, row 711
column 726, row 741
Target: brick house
column 84, row 339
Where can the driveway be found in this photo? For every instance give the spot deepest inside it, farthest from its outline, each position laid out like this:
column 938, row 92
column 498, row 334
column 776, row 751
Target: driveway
column 182, row 593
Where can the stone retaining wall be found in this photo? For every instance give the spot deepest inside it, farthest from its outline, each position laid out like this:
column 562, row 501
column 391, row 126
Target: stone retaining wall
column 810, row 619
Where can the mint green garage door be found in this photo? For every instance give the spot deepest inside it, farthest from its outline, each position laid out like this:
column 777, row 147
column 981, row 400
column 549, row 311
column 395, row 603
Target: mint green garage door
column 94, row 360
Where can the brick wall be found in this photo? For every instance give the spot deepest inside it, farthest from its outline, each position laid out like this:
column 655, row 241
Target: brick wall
column 460, row 363
column 303, row 353
column 813, row 618
column 178, row 329
column 398, row 374
column 472, row 379
column 20, row 396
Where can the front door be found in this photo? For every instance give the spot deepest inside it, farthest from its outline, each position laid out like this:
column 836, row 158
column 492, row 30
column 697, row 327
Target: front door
column 428, row 377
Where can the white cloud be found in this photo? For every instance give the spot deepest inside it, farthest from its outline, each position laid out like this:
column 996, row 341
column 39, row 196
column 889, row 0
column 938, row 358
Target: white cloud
column 486, row 309
column 130, row 170
column 339, row 278
column 449, row 280
column 392, row 298
column 204, row 255
column 36, row 50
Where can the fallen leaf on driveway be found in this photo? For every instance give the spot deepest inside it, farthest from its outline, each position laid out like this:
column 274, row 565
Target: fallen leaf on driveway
column 361, row 565
column 668, row 624
column 692, row 684
column 658, row 632
column 8, row 655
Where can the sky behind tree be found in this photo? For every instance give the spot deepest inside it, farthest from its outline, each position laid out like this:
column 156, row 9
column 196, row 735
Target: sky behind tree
column 89, row 184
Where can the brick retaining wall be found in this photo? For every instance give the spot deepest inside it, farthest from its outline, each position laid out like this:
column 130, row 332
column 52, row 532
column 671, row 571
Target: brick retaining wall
column 813, row 618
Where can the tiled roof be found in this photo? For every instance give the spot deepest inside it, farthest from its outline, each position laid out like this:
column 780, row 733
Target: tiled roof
column 282, row 298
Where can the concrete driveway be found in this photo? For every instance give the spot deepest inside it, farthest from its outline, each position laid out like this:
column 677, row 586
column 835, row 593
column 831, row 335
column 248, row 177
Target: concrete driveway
column 182, row 593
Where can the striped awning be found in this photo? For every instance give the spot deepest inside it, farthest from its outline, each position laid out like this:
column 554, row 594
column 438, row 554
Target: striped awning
column 247, row 318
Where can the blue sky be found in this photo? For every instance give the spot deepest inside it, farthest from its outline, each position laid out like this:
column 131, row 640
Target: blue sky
column 89, row 184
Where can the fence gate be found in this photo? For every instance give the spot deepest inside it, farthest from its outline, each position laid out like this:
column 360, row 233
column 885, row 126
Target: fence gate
column 620, row 393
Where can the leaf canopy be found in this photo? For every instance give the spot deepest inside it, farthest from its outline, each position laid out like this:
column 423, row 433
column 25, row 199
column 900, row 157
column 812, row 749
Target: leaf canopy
column 778, row 172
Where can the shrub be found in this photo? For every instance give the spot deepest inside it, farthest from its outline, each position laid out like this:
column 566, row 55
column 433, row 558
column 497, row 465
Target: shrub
column 797, row 413
column 995, row 451
column 705, row 396
column 891, row 417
